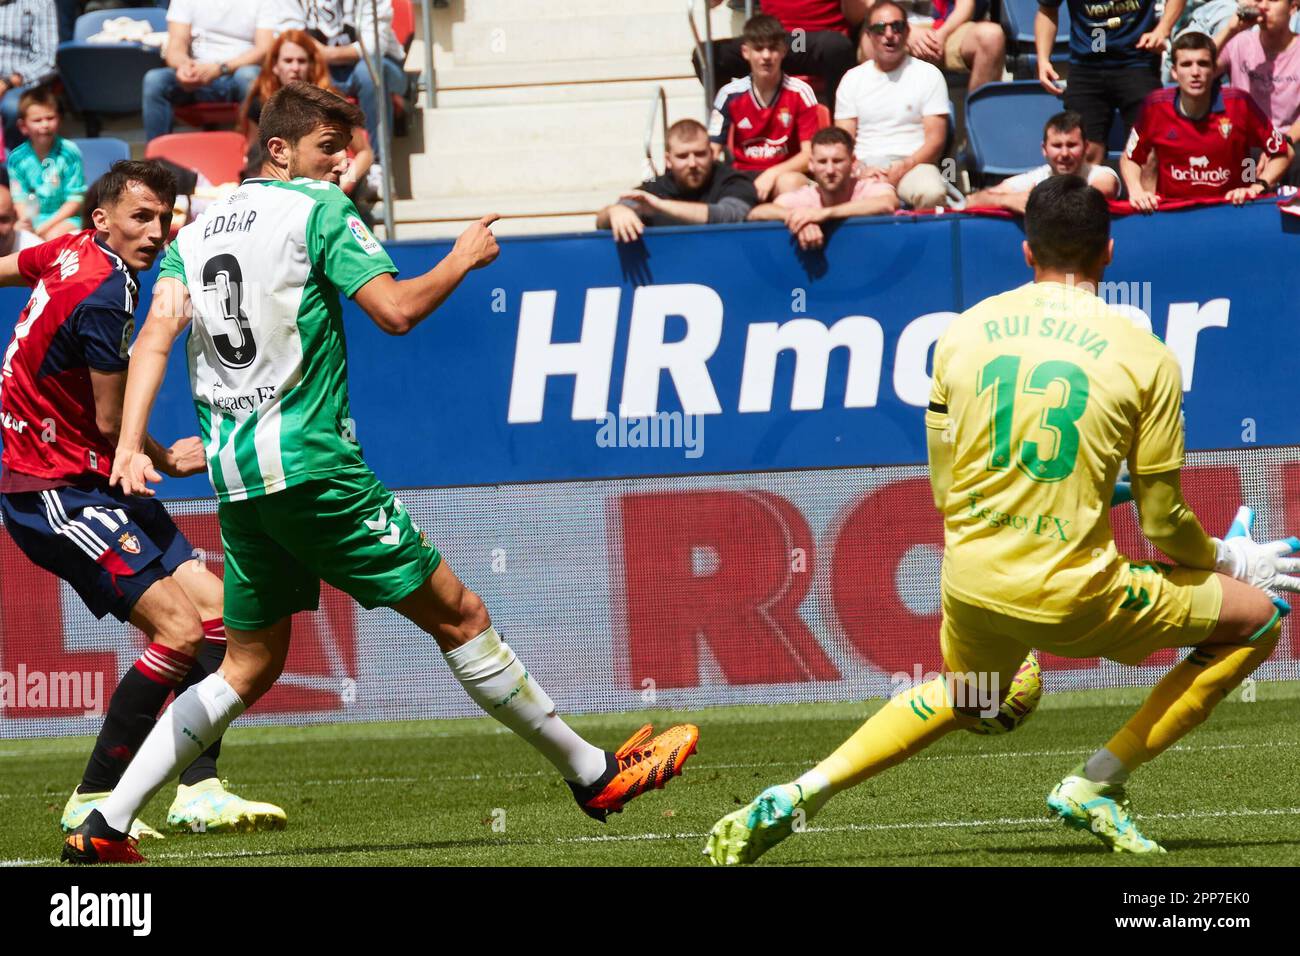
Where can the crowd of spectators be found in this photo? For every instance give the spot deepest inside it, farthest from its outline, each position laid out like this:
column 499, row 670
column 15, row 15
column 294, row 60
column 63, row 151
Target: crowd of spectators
column 1222, row 129
column 234, row 52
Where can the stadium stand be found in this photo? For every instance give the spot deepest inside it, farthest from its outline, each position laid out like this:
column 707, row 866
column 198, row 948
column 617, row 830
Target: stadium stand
column 104, row 79
column 90, row 24
column 1004, row 128
column 558, row 95
column 1018, row 22
column 98, row 154
column 217, row 155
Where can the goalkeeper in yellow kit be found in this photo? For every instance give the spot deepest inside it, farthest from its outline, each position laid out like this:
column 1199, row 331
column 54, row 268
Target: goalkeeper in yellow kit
column 1039, row 396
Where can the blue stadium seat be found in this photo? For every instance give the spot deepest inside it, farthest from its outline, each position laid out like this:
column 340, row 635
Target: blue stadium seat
column 1017, row 18
column 104, row 79
column 1004, row 127
column 1018, row 21
column 97, row 155
column 88, row 24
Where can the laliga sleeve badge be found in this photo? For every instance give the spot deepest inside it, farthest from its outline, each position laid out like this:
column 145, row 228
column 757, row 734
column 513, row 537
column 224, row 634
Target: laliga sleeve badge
column 362, row 235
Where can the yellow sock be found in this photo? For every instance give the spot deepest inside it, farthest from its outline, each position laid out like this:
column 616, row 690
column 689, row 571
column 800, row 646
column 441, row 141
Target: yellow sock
column 906, row 725
column 1186, row 695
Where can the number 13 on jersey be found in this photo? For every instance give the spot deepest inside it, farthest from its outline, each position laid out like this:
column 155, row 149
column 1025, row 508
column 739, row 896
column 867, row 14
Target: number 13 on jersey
column 1052, row 458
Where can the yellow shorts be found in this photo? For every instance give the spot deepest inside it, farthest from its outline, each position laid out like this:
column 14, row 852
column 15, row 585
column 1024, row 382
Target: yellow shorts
column 1150, row 607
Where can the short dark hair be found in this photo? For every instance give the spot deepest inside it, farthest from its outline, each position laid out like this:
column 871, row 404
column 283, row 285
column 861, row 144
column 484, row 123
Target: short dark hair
column 833, row 136
column 296, row 109
column 43, row 95
column 1067, row 223
column 685, row 129
column 763, row 30
column 108, row 189
column 1067, row 121
column 1193, row 40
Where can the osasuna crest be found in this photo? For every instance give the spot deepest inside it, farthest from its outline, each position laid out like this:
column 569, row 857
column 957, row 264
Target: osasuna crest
column 129, row 542
column 1225, row 127
column 362, row 235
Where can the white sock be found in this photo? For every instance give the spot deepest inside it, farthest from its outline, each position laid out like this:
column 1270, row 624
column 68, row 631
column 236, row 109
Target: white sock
column 194, row 720
column 816, row 790
column 496, row 680
column 1104, row 767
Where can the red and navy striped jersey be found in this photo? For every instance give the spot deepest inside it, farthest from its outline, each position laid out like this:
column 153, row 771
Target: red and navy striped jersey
column 1206, row 157
column 81, row 316
column 763, row 135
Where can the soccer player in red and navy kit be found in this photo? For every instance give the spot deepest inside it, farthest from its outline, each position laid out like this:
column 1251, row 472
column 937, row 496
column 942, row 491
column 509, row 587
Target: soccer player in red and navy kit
column 61, row 392
column 767, row 118
column 1202, row 136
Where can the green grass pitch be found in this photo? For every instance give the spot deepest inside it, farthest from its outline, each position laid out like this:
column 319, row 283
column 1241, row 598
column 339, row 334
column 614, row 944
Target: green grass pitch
column 466, row 793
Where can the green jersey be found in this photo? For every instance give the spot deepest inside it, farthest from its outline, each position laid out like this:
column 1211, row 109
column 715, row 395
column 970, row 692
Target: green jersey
column 267, row 358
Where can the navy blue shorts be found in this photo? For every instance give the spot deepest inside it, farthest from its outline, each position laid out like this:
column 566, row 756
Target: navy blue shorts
column 109, row 546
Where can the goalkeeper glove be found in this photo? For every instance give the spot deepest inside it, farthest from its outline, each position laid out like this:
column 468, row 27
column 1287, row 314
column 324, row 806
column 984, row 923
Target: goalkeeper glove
column 1262, row 564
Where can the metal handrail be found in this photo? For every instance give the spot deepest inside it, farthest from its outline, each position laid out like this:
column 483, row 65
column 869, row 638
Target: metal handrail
column 660, row 100
column 428, row 80
column 374, row 58
column 704, row 48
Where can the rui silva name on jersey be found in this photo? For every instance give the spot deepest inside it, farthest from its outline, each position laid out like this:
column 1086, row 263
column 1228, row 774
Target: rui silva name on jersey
column 1048, row 328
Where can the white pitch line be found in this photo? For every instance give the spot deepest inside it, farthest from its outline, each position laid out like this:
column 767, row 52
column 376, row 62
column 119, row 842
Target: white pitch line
column 842, row 828
column 521, row 774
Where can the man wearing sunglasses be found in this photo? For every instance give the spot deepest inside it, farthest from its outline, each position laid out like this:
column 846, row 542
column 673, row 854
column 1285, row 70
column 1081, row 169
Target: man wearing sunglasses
column 896, row 107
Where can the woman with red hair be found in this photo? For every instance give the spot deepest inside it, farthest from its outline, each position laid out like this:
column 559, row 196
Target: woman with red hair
column 295, row 58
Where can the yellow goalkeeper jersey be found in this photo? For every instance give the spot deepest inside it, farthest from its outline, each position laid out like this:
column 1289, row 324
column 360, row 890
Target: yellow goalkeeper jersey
column 1043, row 391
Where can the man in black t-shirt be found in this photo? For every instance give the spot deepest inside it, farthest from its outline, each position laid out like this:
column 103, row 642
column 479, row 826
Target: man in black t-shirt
column 1115, row 48
column 693, row 189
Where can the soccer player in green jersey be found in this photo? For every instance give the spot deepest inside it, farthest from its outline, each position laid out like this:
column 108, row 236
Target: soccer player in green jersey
column 258, row 279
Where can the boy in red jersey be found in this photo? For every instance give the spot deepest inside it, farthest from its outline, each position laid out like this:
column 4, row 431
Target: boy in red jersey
column 61, row 389
column 767, row 118
column 1202, row 136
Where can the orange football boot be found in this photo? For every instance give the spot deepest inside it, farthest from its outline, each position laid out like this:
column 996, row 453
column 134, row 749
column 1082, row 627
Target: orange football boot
column 96, row 842
column 640, row 765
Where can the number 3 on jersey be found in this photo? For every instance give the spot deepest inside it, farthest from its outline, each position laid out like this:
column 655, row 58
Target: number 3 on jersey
column 1001, row 376
column 223, row 277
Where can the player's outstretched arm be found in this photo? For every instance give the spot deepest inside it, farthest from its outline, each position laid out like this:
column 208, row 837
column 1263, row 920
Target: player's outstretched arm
column 399, row 306
column 169, row 316
column 1169, row 523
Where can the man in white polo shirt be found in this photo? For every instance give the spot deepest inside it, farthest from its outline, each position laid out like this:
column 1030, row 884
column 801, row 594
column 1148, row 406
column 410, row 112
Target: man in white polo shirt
column 896, row 107
column 1063, row 148
column 215, row 50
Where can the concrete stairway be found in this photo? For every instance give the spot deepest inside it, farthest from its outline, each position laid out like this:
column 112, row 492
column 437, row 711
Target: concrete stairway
column 542, row 110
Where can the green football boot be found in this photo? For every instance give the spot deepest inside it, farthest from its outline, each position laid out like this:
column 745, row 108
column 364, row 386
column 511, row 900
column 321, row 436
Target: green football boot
column 209, row 806
column 1101, row 809
column 746, row 834
column 79, row 806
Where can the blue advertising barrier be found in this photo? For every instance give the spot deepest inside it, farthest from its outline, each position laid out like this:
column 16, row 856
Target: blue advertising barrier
column 744, row 355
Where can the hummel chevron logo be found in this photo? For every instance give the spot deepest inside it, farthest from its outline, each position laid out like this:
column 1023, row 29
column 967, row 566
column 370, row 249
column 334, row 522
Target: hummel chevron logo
column 382, row 522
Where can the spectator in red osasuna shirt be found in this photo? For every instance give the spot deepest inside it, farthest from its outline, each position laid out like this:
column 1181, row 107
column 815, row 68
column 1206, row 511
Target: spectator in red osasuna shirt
column 767, row 119
column 824, row 44
column 1202, row 136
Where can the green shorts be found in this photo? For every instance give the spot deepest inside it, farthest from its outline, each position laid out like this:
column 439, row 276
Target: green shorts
column 346, row 529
